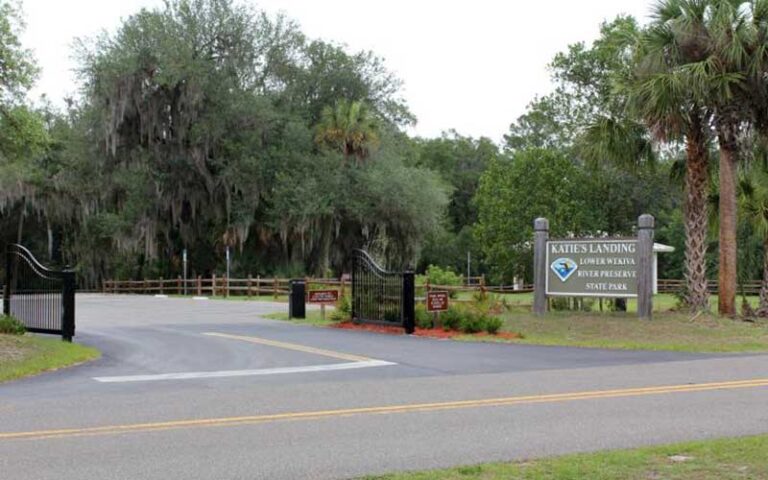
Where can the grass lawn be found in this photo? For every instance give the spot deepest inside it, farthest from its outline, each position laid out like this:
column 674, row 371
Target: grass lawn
column 25, row 355
column 313, row 318
column 739, row 458
column 669, row 330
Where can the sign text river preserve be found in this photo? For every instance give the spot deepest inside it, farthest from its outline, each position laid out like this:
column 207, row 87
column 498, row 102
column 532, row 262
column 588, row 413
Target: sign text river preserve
column 592, row 268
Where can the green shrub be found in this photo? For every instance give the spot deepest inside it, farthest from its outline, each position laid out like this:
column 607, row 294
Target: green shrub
column 480, row 296
column 392, row 316
column 423, row 317
column 493, row 325
column 451, row 318
column 473, row 322
column 11, row 326
column 442, row 277
column 343, row 310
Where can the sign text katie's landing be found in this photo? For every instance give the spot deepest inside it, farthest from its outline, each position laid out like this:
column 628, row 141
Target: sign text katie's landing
column 592, row 268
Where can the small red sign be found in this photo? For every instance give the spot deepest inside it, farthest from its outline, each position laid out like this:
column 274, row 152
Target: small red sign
column 326, row 297
column 437, row 301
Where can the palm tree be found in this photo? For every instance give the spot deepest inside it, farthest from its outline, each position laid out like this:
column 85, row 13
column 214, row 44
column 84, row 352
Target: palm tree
column 753, row 200
column 722, row 51
column 350, row 128
column 658, row 91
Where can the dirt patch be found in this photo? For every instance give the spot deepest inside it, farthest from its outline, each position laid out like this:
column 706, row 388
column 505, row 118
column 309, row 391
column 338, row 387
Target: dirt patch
column 422, row 332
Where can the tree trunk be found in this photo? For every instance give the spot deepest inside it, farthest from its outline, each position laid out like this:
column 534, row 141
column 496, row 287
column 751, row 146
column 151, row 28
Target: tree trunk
column 20, row 229
column 326, row 239
column 49, row 230
column 728, row 222
column 696, row 218
column 763, row 309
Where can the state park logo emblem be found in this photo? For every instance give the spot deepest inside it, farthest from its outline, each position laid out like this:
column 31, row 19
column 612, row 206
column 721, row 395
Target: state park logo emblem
column 564, row 268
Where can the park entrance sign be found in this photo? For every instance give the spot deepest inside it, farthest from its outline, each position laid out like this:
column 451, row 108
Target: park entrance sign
column 592, row 268
column 599, row 268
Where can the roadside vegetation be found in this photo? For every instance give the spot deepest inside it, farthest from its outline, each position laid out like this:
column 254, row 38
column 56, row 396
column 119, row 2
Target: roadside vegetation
column 270, row 144
column 672, row 327
column 507, row 318
column 24, row 355
column 313, row 317
column 727, row 459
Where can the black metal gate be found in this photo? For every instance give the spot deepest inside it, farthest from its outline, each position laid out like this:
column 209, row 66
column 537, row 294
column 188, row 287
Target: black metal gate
column 41, row 298
column 379, row 296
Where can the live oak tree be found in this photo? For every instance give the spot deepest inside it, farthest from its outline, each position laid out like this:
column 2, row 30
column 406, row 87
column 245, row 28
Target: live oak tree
column 206, row 118
column 23, row 137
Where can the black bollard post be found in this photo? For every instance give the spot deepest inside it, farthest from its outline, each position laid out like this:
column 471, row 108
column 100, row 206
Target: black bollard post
column 297, row 307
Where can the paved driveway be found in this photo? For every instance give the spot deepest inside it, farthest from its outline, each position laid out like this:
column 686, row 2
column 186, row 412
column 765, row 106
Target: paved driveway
column 210, row 389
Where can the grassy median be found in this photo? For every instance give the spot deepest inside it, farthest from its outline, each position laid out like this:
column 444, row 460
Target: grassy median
column 26, row 355
column 727, row 459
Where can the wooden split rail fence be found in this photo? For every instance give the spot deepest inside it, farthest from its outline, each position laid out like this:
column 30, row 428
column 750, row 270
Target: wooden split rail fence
column 220, row 286
column 216, row 286
column 674, row 286
column 276, row 287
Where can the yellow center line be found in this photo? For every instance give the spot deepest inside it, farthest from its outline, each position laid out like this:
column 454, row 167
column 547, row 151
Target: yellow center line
column 389, row 409
column 292, row 346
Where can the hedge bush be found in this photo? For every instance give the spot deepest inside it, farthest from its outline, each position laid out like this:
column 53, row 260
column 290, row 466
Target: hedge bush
column 423, row 317
column 343, row 310
column 11, row 326
column 451, row 318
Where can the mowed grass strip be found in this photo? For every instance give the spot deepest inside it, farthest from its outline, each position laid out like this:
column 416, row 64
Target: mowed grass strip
column 726, row 459
column 669, row 330
column 313, row 317
column 26, row 355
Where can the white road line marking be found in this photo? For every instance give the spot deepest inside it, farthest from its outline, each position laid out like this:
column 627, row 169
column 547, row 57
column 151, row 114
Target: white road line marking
column 244, row 373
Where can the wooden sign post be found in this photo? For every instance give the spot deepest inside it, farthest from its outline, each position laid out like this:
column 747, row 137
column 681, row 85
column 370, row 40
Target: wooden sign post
column 323, row 297
column 437, row 302
column 604, row 267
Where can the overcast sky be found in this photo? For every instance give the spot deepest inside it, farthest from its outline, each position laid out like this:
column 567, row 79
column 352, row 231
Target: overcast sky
column 472, row 65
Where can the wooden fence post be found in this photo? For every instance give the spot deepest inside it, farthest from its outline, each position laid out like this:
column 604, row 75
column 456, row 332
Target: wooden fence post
column 250, row 283
column 213, row 285
column 645, row 226
column 199, row 286
column 540, row 237
column 178, row 285
column 162, row 286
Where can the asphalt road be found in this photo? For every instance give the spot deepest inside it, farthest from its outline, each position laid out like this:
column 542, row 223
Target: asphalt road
column 209, row 390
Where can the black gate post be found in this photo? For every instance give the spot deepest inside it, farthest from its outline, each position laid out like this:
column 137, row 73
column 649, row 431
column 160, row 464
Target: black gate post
column 409, row 302
column 297, row 299
column 7, row 288
column 68, row 304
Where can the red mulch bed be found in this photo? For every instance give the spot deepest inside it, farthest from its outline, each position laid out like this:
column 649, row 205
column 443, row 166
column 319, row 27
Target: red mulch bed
column 421, row 332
